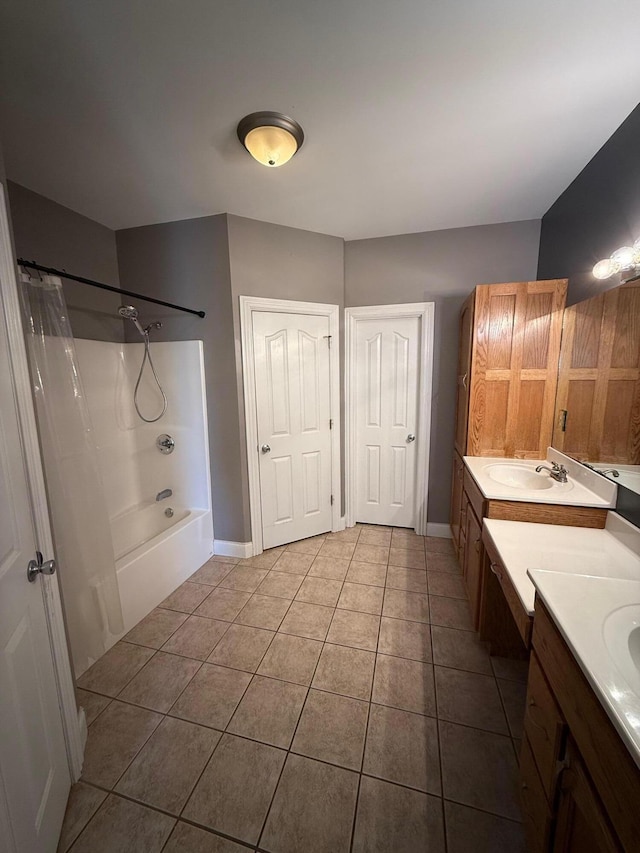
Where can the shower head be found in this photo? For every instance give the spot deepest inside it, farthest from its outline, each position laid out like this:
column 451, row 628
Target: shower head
column 131, row 313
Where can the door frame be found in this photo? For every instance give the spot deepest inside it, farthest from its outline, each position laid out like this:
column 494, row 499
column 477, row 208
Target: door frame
column 73, row 720
column 425, row 312
column 249, row 305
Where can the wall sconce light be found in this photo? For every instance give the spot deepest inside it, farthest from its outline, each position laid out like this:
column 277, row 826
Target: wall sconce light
column 623, row 259
column 271, row 138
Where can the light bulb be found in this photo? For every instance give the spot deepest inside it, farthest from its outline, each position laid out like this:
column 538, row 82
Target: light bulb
column 623, row 257
column 604, row 269
column 636, row 253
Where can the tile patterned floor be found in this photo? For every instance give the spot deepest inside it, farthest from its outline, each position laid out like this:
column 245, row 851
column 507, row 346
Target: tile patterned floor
column 324, row 697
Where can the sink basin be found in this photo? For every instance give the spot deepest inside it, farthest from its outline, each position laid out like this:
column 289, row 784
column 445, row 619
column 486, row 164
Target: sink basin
column 622, row 638
column 518, row 476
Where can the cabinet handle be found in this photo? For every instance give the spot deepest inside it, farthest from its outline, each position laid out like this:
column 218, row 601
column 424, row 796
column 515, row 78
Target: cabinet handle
column 463, row 380
column 495, row 570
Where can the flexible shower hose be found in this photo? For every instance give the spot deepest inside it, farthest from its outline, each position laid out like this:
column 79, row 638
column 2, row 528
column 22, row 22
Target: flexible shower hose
column 147, row 355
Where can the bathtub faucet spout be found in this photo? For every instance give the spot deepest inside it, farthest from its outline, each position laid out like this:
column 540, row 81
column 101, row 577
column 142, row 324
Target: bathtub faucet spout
column 165, row 493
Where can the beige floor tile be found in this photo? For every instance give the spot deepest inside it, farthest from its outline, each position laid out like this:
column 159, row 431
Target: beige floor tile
column 512, row 670
column 244, row 578
column 160, row 682
column 235, row 790
column 168, row 766
column 408, row 558
column 263, row 611
column 269, row 711
column 280, row 584
column 371, row 554
column 404, row 684
column 403, row 747
column 366, row 573
column 405, row 639
column 333, row 568
column 443, row 562
column 306, row 546
column 412, row 606
column 121, row 825
column 156, row 628
column 93, row 704
column 212, row 573
column 359, row 630
column 266, row 560
column 187, row 597
column 223, row 604
column 408, row 540
column 291, row 659
column 411, row 580
column 460, row 650
column 115, row 668
column 190, row 839
column 307, row 620
column 349, row 534
column 84, row 802
column 196, row 638
column 332, row 728
column 514, row 695
column 381, row 538
column 479, row 769
column 335, row 548
column 319, row 591
column 242, row 647
column 294, row 563
column 223, row 558
column 345, row 670
column 114, row 740
column 212, row 696
column 472, row 831
column 312, row 810
column 470, row 699
column 439, row 545
column 391, row 818
column 444, row 583
column 361, row 598
column 450, row 612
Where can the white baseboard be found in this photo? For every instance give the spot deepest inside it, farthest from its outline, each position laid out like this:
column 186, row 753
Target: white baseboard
column 223, row 548
column 442, row 531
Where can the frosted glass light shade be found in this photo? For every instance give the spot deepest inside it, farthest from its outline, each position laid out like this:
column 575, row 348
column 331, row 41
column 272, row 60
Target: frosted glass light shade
column 271, row 146
column 271, row 138
column 604, row 269
column 623, row 257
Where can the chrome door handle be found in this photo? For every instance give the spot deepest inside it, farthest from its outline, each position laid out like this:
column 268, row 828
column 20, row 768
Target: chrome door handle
column 265, row 448
column 38, row 567
column 411, row 437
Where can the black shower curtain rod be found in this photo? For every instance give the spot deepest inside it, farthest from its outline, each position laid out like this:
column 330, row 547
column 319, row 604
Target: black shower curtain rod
column 32, row 265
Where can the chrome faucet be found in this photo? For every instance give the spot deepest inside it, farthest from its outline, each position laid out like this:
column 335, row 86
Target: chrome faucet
column 611, row 471
column 556, row 472
column 165, row 493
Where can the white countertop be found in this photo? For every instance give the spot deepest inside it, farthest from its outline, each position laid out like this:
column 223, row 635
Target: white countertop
column 584, row 487
column 587, row 579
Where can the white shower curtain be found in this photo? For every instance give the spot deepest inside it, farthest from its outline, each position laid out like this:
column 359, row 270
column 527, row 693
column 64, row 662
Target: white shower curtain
column 81, row 529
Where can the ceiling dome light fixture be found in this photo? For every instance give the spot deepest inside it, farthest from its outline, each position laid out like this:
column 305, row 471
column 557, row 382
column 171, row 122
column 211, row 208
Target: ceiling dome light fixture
column 271, row 138
column 622, row 260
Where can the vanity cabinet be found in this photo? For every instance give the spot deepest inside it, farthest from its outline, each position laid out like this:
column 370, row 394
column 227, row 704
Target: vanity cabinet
column 507, row 368
column 580, row 787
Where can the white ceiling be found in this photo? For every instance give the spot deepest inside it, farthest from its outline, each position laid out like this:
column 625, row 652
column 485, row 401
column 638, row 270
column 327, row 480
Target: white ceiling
column 418, row 114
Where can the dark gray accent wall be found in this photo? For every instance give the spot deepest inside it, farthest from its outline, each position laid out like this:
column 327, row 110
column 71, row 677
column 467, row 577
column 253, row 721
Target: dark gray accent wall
column 441, row 267
column 597, row 213
column 278, row 262
column 187, row 263
column 52, row 235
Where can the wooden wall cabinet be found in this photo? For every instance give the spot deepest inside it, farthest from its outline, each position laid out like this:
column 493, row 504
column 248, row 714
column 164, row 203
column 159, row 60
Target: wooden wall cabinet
column 507, row 368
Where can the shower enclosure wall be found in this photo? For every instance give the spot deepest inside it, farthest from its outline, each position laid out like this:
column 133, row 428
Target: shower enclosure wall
column 157, row 543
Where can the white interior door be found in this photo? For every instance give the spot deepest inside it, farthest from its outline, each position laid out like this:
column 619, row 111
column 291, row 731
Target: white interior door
column 34, row 771
column 386, row 375
column 291, row 355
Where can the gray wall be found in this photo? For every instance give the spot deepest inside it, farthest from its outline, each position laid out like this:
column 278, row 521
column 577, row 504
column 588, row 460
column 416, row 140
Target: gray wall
column 277, row 262
column 597, row 213
column 55, row 236
column 187, row 263
column 441, row 267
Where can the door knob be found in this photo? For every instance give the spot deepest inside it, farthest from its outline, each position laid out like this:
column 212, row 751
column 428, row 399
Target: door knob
column 265, row 448
column 38, row 567
column 411, row 437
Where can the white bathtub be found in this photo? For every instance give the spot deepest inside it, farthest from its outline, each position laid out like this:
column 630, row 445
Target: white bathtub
column 150, row 572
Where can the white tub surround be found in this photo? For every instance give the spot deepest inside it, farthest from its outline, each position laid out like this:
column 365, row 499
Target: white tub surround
column 507, row 479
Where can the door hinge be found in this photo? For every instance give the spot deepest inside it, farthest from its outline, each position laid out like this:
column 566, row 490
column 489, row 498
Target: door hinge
column 330, row 423
column 331, row 500
column 328, row 340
